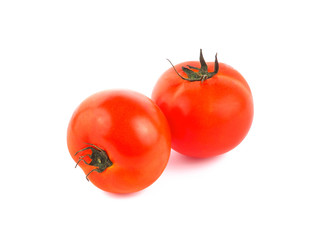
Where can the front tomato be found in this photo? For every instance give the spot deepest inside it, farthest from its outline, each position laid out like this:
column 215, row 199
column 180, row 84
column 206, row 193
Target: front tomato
column 120, row 139
column 209, row 113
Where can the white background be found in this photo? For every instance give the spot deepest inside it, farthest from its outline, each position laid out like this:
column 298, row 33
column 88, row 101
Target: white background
column 54, row 54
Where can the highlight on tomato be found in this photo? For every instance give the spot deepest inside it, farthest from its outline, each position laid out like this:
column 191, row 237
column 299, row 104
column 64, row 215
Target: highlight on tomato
column 209, row 107
column 120, row 139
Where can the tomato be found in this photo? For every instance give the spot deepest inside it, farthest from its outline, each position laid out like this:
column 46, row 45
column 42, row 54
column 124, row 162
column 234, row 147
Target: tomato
column 120, row 139
column 209, row 113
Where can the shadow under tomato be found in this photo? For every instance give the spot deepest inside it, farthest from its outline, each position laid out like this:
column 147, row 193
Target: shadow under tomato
column 124, row 195
column 179, row 162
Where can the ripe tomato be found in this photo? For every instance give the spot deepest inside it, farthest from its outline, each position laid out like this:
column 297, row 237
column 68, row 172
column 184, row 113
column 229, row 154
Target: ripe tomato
column 120, row 139
column 209, row 113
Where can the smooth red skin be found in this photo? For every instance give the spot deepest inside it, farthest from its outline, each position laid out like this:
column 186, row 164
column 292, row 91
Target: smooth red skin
column 131, row 129
column 206, row 118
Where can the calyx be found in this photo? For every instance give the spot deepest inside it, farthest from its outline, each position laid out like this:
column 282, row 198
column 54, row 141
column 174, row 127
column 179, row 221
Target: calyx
column 202, row 73
column 99, row 159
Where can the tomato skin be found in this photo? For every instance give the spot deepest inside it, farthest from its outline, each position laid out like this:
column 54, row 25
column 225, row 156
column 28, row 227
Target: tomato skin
column 206, row 118
column 131, row 129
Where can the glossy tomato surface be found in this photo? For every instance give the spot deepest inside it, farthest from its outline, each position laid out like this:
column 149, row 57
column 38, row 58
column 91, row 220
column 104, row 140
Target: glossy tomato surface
column 208, row 117
column 130, row 130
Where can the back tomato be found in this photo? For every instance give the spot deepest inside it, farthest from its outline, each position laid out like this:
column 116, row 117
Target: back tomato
column 209, row 113
column 120, row 139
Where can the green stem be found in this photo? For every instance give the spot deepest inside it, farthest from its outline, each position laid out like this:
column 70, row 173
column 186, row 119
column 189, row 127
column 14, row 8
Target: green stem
column 99, row 159
column 202, row 73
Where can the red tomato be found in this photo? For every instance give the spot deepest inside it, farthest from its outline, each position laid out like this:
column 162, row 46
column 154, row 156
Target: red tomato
column 209, row 113
column 120, row 139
